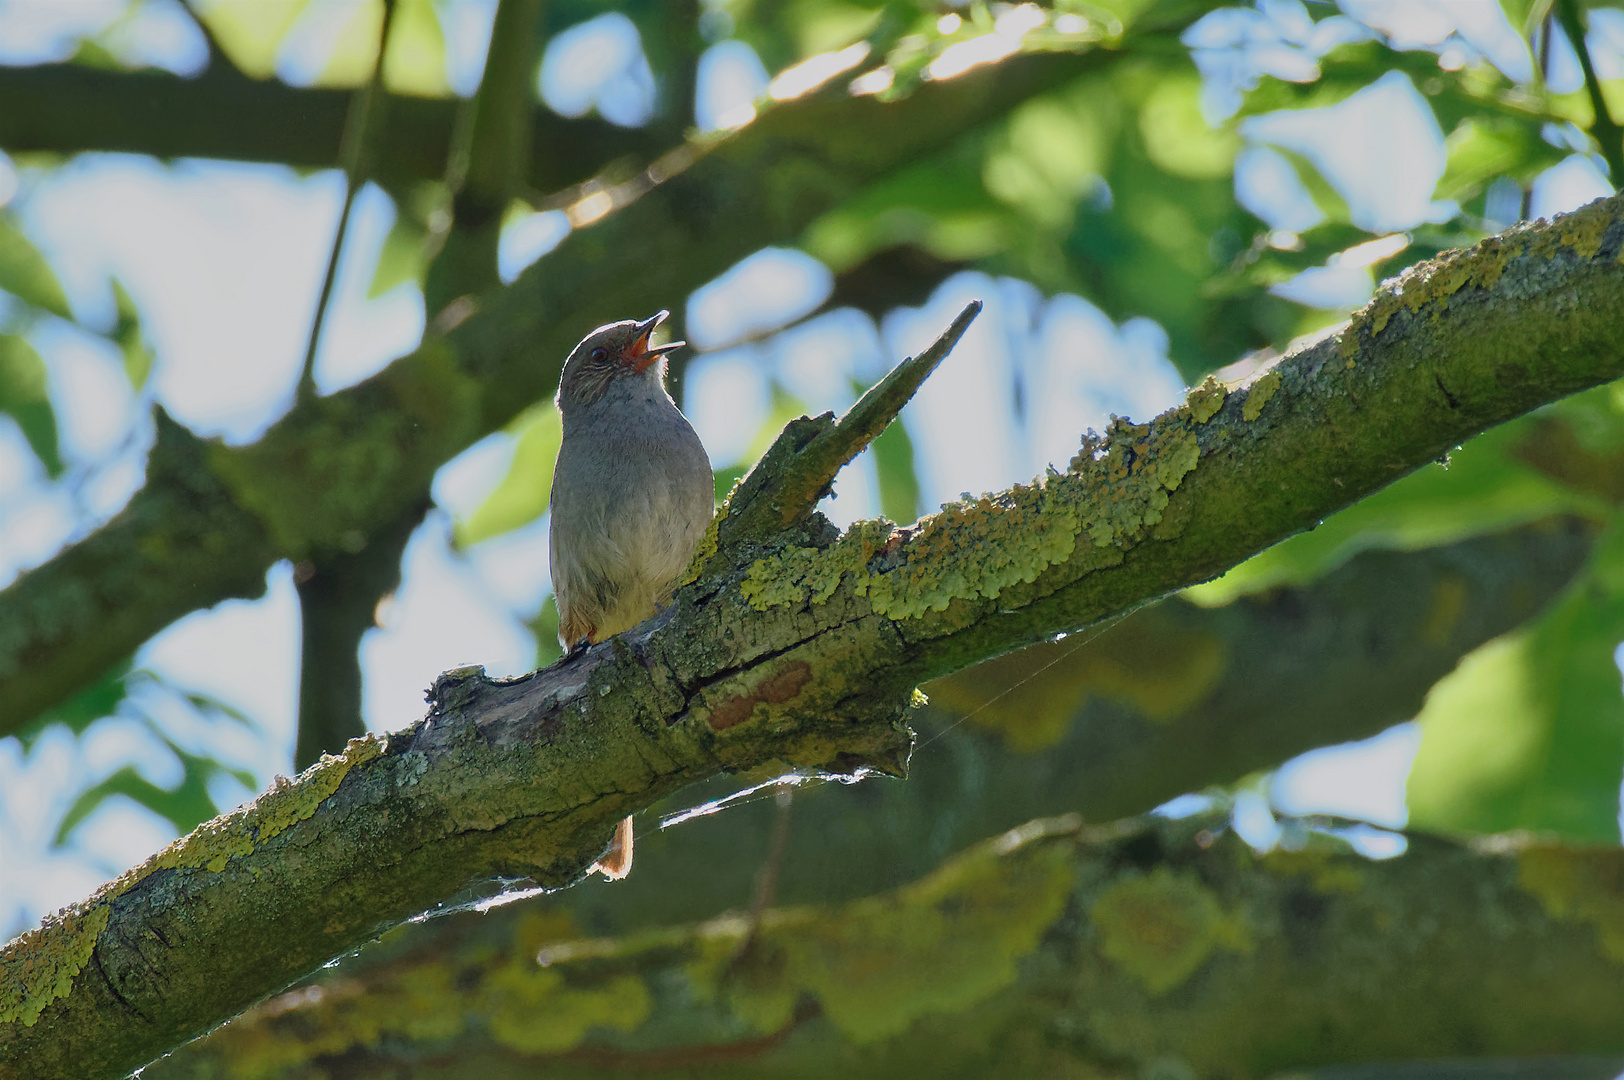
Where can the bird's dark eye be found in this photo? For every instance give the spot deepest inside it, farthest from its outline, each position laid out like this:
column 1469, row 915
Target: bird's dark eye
column 599, row 353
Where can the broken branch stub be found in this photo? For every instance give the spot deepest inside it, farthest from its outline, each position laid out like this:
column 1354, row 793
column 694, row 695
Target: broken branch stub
column 797, row 470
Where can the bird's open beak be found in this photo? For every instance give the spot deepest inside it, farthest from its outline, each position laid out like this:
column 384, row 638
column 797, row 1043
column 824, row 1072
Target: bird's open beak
column 640, row 354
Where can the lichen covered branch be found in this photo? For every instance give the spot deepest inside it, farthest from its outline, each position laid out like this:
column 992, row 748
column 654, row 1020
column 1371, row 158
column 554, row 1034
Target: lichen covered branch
column 339, row 469
column 804, row 647
column 801, row 474
column 1051, row 950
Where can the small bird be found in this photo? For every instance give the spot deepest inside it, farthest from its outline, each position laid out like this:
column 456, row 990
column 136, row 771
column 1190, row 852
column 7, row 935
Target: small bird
column 632, row 495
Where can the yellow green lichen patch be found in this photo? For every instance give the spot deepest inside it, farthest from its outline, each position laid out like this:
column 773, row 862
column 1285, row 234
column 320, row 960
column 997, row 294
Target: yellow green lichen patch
column 1205, row 400
column 1114, row 491
column 1178, row 456
column 798, row 575
column 1434, row 281
column 1119, row 496
column 702, row 553
column 1578, row 885
column 529, row 1006
column 38, row 968
column 751, row 981
column 1261, row 392
column 975, row 548
column 336, row 1017
column 876, row 965
column 1160, row 927
column 212, row 844
column 531, row 1009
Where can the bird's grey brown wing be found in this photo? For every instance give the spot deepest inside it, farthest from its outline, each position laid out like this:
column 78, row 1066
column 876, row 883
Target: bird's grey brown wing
column 573, row 553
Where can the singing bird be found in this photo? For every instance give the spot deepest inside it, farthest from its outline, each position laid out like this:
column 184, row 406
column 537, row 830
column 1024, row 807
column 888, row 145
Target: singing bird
column 632, row 495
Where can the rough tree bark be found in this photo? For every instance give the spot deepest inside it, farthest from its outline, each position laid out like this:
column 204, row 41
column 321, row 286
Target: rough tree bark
column 1144, row 948
column 796, row 644
column 337, row 470
column 1266, row 675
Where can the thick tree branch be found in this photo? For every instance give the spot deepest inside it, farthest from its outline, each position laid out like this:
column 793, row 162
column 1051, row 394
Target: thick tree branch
column 1142, row 948
column 804, row 647
column 338, row 601
column 71, row 108
column 1178, row 697
column 1300, row 667
column 349, row 464
column 1283, row 672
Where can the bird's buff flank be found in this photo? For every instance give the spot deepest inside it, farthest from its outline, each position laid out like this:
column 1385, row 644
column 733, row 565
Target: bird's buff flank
column 632, row 495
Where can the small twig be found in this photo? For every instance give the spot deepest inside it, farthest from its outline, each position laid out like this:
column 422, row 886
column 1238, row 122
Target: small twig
column 1604, row 128
column 816, row 465
column 798, row 468
column 766, row 886
column 358, row 132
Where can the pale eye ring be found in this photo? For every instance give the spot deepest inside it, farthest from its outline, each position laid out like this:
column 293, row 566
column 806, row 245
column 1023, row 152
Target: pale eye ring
column 599, row 353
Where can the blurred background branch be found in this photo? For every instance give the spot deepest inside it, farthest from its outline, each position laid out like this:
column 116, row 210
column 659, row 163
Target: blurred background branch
column 1143, row 194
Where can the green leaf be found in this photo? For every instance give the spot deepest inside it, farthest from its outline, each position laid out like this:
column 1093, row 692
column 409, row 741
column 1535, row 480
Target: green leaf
column 783, row 34
column 401, row 259
column 1325, row 196
column 414, row 62
column 939, row 205
column 1528, row 733
column 1524, row 15
column 1153, row 250
column 545, row 627
column 1484, row 147
column 25, row 396
column 1177, row 136
column 185, row 806
column 26, row 275
column 894, row 465
column 525, row 491
column 205, row 704
column 1261, row 266
column 101, row 698
column 250, row 32
column 127, row 335
column 1479, row 90
column 1053, row 150
column 1485, row 489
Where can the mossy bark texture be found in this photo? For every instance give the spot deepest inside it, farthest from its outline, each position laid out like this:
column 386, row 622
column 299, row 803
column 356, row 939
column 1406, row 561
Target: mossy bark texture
column 1146, row 948
column 337, row 470
column 797, row 644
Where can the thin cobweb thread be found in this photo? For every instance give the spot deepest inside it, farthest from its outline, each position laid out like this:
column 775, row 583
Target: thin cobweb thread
column 752, row 794
column 1084, row 637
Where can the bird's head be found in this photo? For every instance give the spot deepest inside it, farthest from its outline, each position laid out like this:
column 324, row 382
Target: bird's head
column 620, row 350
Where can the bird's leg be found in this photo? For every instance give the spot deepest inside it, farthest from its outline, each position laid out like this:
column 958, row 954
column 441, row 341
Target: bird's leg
column 616, row 863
